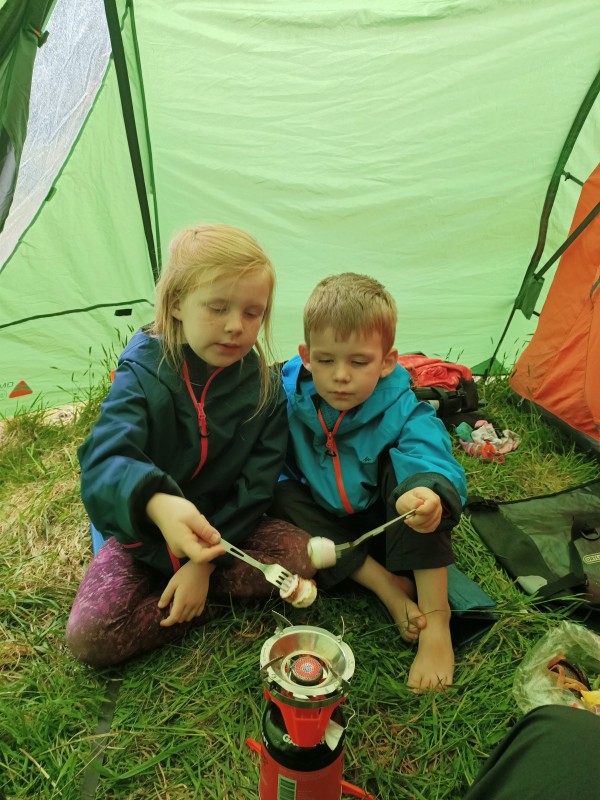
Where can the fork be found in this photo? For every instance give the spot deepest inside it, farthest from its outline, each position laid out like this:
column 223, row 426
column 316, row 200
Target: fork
column 274, row 573
column 340, row 549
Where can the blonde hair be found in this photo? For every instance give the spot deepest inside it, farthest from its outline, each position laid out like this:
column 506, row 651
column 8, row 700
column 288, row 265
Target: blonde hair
column 351, row 303
column 198, row 256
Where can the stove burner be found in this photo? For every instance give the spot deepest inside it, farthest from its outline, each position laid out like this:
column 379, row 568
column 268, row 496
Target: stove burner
column 307, row 671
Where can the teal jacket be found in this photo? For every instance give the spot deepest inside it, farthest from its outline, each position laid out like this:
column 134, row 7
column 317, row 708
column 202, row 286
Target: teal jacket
column 343, row 477
column 149, row 438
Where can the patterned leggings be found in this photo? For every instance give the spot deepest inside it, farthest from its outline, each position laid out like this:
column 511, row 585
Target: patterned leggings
column 115, row 615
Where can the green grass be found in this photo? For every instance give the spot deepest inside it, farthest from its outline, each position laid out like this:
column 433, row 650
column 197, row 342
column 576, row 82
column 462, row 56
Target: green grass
column 183, row 714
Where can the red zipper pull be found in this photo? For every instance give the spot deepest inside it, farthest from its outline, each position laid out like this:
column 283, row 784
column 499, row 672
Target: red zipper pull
column 330, row 444
column 199, row 406
column 201, row 419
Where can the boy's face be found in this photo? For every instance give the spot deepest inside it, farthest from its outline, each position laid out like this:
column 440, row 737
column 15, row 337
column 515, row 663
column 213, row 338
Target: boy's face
column 345, row 373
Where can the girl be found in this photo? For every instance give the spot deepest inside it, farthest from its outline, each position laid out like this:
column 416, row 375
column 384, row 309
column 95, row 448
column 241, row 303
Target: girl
column 189, row 445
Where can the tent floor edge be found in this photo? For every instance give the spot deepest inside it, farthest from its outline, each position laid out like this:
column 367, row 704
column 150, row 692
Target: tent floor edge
column 582, row 440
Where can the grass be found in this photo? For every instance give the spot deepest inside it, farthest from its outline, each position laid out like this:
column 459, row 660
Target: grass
column 182, row 715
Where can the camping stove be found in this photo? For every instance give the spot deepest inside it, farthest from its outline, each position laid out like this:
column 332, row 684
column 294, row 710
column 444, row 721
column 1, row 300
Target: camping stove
column 306, row 672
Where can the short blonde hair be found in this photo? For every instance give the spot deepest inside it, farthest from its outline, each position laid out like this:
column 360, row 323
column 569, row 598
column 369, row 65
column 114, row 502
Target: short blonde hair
column 200, row 255
column 351, row 303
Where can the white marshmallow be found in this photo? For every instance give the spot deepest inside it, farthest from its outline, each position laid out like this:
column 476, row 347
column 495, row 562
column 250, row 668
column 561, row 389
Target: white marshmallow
column 321, row 552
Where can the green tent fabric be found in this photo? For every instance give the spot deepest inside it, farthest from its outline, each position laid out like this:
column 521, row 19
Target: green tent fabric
column 414, row 140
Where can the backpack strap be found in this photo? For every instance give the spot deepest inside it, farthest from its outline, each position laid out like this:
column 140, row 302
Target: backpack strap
column 562, row 585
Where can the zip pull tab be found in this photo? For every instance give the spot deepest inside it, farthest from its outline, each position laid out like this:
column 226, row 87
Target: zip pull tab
column 329, row 441
column 199, row 406
column 201, row 419
column 337, row 465
column 330, row 444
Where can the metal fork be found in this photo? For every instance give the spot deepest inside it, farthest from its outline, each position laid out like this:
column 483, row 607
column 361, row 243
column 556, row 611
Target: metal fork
column 340, row 549
column 274, row 573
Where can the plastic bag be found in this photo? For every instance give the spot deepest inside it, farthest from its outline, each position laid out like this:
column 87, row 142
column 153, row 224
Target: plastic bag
column 535, row 685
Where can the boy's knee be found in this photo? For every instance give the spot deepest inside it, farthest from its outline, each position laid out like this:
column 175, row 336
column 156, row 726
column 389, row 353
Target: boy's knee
column 289, row 501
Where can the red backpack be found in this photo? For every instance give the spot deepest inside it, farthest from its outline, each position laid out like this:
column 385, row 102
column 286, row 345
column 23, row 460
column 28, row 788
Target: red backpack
column 448, row 387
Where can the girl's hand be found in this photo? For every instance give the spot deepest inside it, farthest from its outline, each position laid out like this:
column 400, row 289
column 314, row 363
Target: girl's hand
column 185, row 529
column 186, row 591
column 428, row 505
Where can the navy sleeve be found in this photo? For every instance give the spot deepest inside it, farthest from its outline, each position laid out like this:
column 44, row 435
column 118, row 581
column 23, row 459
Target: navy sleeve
column 118, row 477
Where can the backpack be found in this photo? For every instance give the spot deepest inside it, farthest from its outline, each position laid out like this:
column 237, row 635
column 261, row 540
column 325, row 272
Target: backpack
column 448, row 387
column 549, row 544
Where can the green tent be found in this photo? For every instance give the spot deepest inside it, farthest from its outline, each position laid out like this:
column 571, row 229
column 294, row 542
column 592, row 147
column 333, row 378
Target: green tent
column 439, row 145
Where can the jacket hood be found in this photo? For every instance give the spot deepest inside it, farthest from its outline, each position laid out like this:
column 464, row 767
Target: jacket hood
column 300, row 390
column 146, row 351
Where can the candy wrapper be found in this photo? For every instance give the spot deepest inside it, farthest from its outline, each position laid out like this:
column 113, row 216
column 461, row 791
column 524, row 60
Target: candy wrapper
column 562, row 668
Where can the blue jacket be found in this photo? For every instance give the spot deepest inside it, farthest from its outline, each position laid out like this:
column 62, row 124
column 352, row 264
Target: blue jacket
column 392, row 421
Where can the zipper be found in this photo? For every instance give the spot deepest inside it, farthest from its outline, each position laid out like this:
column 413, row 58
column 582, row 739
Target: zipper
column 337, row 466
column 199, row 406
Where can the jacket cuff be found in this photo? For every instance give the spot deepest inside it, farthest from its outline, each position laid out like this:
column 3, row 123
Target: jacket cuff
column 445, row 490
column 152, row 484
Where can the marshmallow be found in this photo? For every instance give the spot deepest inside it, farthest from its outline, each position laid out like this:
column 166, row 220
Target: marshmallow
column 321, row 552
column 298, row 591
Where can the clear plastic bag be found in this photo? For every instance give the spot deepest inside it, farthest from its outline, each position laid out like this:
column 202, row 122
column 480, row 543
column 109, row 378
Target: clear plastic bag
column 535, row 685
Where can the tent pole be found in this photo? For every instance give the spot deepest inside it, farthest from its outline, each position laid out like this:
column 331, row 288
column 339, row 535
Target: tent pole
column 531, row 285
column 569, row 240
column 538, row 275
column 492, row 360
column 575, row 130
column 147, row 132
column 118, row 54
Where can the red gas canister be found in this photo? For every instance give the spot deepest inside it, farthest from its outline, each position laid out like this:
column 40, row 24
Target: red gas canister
column 306, row 673
column 290, row 772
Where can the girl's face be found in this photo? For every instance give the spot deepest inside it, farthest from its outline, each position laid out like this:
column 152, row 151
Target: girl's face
column 221, row 321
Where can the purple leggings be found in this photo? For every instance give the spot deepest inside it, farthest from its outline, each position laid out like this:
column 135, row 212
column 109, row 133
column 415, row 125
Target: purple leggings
column 115, row 615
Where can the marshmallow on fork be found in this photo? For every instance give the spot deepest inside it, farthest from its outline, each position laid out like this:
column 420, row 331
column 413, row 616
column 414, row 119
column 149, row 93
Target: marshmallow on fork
column 300, row 592
column 324, row 553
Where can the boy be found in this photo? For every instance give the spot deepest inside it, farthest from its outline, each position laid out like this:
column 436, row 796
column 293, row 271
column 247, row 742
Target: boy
column 364, row 450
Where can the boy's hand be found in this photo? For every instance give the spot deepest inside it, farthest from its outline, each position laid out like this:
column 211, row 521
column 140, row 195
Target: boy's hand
column 186, row 591
column 185, row 529
column 428, row 505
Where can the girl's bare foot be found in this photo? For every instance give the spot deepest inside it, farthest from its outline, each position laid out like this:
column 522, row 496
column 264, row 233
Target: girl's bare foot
column 433, row 667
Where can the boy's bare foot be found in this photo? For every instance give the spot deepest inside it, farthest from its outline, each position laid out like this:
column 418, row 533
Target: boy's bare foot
column 433, row 667
column 398, row 595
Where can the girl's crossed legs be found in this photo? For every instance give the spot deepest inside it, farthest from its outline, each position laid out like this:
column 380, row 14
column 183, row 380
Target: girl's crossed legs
column 115, row 615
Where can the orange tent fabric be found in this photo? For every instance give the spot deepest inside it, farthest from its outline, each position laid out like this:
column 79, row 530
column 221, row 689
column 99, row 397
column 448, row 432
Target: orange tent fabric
column 559, row 370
